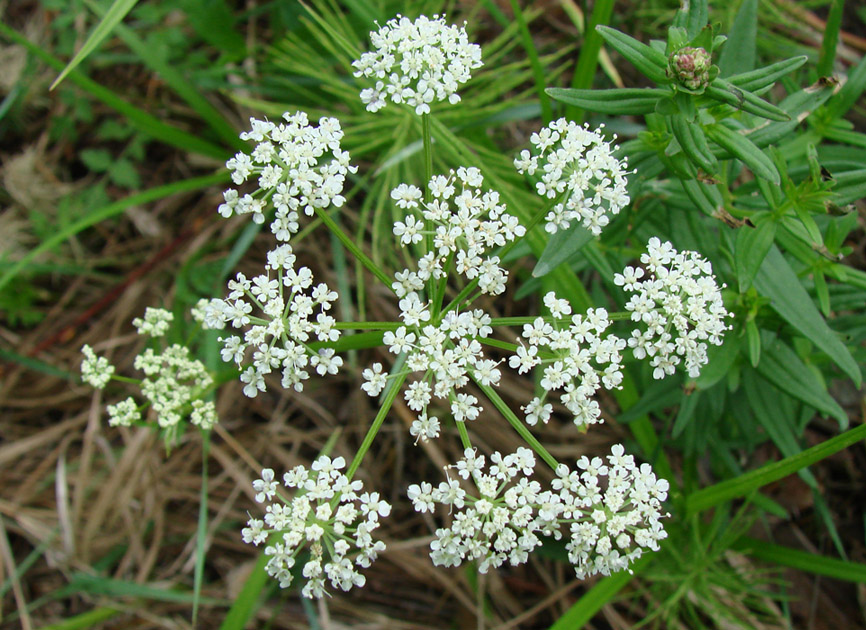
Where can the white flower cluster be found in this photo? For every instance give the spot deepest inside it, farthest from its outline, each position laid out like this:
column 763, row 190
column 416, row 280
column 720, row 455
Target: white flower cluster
column 447, row 354
column 95, row 371
column 609, row 524
column 465, row 225
column 173, row 381
column 294, row 313
column 329, row 515
column 299, row 167
column 579, row 359
column 156, row 322
column 417, row 63
column 579, row 163
column 680, row 304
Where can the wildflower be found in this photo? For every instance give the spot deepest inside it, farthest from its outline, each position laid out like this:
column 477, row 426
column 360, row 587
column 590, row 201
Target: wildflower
column 578, row 166
column 173, row 384
column 155, row 323
column 678, row 306
column 416, row 63
column 123, row 414
column 580, row 358
column 300, row 168
column 95, row 371
column 329, row 515
column 690, row 67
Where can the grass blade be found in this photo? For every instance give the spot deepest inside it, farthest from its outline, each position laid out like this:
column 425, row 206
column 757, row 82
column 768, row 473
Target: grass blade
column 587, row 63
column 802, row 560
column 112, row 17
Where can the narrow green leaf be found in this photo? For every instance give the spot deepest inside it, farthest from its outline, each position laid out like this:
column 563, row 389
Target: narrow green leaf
column 587, row 62
column 693, row 142
column 560, row 247
column 137, row 117
column 600, row 594
column 615, row 102
column 831, row 39
column 686, row 413
column 738, row 53
column 850, row 186
column 720, row 359
column 649, row 61
column 697, row 18
column 534, row 62
column 850, row 92
column 802, row 560
column 777, row 281
column 244, row 606
column 764, row 77
column 751, row 248
column 785, row 369
column 798, row 106
column 108, row 211
column 86, row 620
column 115, row 13
column 744, row 100
column 745, row 484
column 214, row 22
column 753, row 342
column 745, row 150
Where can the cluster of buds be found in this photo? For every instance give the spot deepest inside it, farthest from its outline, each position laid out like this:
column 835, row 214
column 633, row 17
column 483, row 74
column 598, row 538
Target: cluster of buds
column 690, row 67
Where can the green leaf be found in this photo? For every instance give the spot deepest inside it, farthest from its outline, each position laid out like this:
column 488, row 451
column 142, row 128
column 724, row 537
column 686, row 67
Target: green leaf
column 751, row 248
column 745, row 150
column 247, row 600
column 738, row 53
column 615, row 102
column 850, row 92
column 124, row 174
column 117, row 11
column 766, row 76
column 720, row 359
column 97, row 160
column 693, row 142
column 785, row 369
column 777, row 281
column 802, row 560
column 850, row 186
column 744, row 100
column 561, row 246
column 587, row 62
column 686, row 413
column 831, row 39
column 214, row 22
column 706, row 198
column 753, row 342
column 649, row 61
column 749, row 482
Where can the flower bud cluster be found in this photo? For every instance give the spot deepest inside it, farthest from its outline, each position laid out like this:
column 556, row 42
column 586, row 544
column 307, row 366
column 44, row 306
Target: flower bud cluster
column 417, row 63
column 578, row 164
column 294, row 313
column 173, row 383
column 609, row 512
column 690, row 67
column 299, row 167
column 680, row 305
column 449, row 355
column 465, row 225
column 578, row 359
column 328, row 515
column 96, row 371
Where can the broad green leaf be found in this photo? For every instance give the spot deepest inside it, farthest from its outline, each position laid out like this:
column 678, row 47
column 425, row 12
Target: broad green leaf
column 785, row 369
column 752, row 246
column 115, row 13
column 649, row 61
column 561, row 246
column 719, row 361
column 747, row 483
column 214, row 22
column 777, row 281
column 738, row 53
column 745, row 150
column 614, row 102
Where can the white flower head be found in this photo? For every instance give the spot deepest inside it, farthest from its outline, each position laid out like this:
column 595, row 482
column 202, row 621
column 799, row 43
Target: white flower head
column 677, row 306
column 417, row 63
column 577, row 167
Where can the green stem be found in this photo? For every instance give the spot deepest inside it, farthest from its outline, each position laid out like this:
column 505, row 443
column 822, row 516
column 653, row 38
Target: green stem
column 368, row 325
column 464, row 435
column 352, row 247
column 427, row 138
column 394, row 389
column 518, row 425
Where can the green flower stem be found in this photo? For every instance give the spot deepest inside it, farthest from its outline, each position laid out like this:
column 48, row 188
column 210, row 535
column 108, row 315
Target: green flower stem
column 368, row 325
column 464, row 434
column 427, row 138
column 518, row 425
column 352, row 247
column 394, row 389
column 529, row 319
column 125, row 379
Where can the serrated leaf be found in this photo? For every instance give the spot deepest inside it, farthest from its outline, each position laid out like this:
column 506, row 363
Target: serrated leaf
column 615, row 102
column 561, row 246
column 738, row 54
column 752, row 246
column 777, row 281
column 785, row 369
column 117, row 11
